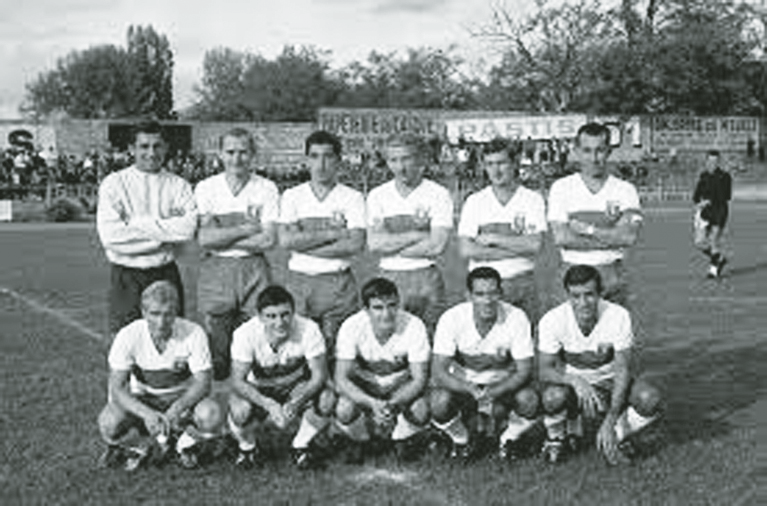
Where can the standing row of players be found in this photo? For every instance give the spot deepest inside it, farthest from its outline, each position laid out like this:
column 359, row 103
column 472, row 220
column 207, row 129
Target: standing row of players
column 476, row 384
column 145, row 212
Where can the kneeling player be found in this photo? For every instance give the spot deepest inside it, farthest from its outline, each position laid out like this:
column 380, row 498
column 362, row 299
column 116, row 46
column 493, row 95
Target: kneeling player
column 593, row 337
column 160, row 375
column 279, row 369
column 482, row 365
column 382, row 366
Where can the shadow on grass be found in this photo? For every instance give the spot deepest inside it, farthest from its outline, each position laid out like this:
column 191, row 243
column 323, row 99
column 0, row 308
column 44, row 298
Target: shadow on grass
column 746, row 269
column 706, row 388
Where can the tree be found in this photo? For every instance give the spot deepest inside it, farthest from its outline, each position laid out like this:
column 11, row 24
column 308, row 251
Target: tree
column 108, row 81
column 222, row 90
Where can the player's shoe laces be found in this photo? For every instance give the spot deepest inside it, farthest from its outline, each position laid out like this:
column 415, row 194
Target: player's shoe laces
column 509, row 451
column 554, row 450
column 189, row 458
column 460, row 452
column 113, row 457
column 135, row 458
column 304, row 459
column 247, row 460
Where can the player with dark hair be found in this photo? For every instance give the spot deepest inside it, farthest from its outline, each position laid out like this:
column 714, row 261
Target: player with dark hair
column 502, row 227
column 144, row 212
column 279, row 370
column 585, row 352
column 594, row 216
column 482, row 367
column 712, row 195
column 409, row 223
column 322, row 224
column 381, row 372
column 238, row 222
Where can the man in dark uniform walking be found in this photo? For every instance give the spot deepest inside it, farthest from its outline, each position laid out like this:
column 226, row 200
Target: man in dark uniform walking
column 712, row 195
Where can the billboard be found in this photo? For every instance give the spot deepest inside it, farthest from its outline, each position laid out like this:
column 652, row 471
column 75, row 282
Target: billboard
column 555, row 126
column 697, row 133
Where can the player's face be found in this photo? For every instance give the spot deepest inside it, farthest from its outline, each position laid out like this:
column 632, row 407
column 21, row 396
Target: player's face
column 277, row 320
column 383, row 314
column 236, row 155
column 711, row 162
column 159, row 318
column 592, row 153
column 405, row 164
column 323, row 163
column 499, row 168
column 485, row 295
column 149, row 151
column 585, row 300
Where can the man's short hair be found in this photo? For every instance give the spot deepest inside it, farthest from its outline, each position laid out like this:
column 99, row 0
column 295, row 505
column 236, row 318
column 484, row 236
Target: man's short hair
column 500, row 145
column 322, row 137
column 416, row 143
column 274, row 295
column 378, row 288
column 147, row 127
column 713, row 152
column 593, row 129
column 160, row 292
column 239, row 133
column 580, row 275
column 482, row 273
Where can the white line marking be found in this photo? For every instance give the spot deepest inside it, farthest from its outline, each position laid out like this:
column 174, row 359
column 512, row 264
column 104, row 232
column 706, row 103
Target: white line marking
column 59, row 315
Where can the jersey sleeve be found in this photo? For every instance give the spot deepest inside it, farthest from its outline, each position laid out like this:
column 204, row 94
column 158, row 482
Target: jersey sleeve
column 418, row 339
column 557, row 207
column 242, row 350
column 373, row 209
column 312, row 340
column 444, row 336
column 355, row 211
column 346, row 348
column 199, row 359
column 548, row 334
column 288, row 208
column 271, row 210
column 202, row 197
column 624, row 334
column 522, row 340
column 121, row 357
column 537, row 214
column 441, row 209
column 631, row 202
column 468, row 224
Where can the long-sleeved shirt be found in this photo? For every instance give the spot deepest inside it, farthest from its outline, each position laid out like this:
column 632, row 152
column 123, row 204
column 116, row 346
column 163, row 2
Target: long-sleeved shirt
column 142, row 216
column 715, row 187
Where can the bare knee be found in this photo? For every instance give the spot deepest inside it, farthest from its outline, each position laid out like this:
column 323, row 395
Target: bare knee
column 240, row 410
column 441, row 405
column 645, row 398
column 111, row 420
column 418, row 412
column 208, row 415
column 527, row 403
column 555, row 398
column 326, row 402
column 346, row 410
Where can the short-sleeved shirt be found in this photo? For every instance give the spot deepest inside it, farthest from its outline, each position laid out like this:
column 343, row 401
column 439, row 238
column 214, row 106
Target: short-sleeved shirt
column 250, row 345
column 426, row 206
column 388, row 362
column 524, row 213
column 300, row 205
column 259, row 199
column 570, row 198
column 155, row 373
column 490, row 359
column 591, row 357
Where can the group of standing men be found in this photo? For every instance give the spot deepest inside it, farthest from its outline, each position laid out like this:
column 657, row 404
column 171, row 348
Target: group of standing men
column 392, row 362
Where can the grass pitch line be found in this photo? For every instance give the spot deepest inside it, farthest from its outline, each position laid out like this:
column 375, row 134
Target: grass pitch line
column 59, row 315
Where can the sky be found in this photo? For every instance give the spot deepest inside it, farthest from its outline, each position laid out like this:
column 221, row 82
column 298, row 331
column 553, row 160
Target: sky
column 34, row 34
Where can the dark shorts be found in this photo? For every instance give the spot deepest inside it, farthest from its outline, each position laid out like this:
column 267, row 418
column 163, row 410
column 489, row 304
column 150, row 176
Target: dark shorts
column 126, row 286
column 715, row 214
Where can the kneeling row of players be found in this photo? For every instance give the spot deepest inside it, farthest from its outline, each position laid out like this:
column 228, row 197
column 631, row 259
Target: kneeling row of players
column 474, row 387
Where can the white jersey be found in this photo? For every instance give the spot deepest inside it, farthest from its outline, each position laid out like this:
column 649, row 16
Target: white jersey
column 155, row 373
column 524, row 213
column 301, row 206
column 250, row 345
column 388, row 363
column 142, row 215
column 570, row 198
column 592, row 356
column 426, row 206
column 257, row 200
column 489, row 359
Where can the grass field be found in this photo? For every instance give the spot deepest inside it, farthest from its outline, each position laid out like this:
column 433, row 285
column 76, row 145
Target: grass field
column 702, row 340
